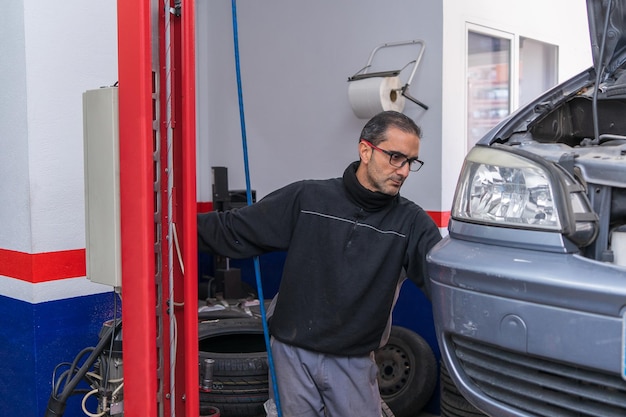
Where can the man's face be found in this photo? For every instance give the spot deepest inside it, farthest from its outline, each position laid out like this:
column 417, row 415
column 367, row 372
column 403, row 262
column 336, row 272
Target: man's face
column 376, row 173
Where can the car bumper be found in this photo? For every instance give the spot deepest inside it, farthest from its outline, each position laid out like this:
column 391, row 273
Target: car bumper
column 527, row 333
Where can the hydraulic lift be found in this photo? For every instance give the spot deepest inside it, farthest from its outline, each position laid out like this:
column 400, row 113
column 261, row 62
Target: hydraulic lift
column 158, row 207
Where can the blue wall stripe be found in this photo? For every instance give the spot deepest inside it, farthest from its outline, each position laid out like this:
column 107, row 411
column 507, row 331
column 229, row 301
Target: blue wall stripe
column 34, row 338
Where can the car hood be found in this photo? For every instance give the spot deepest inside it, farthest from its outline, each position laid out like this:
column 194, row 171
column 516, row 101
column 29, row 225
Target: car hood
column 606, row 60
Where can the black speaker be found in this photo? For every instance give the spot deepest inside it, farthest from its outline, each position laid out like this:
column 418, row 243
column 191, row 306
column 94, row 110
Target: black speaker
column 220, row 184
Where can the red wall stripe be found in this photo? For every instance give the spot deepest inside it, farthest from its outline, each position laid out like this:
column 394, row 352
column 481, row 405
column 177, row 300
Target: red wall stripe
column 441, row 218
column 42, row 267
column 204, row 207
column 51, row 266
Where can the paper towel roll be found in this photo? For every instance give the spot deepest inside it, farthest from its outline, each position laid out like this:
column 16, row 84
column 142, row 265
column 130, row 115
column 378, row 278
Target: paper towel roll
column 370, row 96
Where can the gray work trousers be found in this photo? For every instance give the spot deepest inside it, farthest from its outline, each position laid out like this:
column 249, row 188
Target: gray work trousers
column 312, row 384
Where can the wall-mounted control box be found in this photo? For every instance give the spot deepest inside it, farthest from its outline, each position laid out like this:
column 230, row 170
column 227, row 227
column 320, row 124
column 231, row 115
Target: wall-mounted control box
column 102, row 185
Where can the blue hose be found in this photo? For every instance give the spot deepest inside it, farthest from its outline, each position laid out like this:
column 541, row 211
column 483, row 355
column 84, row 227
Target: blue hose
column 257, row 267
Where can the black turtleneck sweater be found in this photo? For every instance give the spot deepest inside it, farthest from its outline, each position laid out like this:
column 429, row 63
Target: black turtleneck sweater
column 348, row 251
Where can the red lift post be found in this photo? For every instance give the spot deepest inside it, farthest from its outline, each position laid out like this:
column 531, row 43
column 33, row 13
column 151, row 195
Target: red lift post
column 158, row 209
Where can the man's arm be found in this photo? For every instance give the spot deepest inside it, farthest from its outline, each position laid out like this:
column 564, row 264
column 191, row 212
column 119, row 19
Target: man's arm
column 252, row 230
column 425, row 237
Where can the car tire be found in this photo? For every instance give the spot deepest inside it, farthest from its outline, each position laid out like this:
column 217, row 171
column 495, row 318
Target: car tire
column 407, row 372
column 240, row 372
column 453, row 404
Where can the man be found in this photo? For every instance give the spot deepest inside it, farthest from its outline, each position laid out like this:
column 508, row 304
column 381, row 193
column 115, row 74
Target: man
column 350, row 242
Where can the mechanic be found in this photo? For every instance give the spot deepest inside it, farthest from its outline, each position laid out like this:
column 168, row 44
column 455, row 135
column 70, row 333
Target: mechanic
column 350, row 243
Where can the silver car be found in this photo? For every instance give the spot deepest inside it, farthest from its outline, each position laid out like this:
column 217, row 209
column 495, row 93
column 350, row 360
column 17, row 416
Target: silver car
column 529, row 287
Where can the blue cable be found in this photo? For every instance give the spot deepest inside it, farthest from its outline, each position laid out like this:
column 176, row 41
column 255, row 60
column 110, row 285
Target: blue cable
column 257, row 267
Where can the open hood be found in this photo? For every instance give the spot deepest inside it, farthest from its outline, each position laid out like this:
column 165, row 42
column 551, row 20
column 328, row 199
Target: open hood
column 608, row 31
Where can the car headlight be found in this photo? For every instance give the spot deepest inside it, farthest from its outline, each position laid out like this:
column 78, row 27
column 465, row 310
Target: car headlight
column 512, row 188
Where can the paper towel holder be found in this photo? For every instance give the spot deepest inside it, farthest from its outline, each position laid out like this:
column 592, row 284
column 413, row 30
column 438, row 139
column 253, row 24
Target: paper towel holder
column 362, row 73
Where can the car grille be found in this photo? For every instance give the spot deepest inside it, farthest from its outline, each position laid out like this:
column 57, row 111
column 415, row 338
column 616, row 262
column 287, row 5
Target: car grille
column 538, row 386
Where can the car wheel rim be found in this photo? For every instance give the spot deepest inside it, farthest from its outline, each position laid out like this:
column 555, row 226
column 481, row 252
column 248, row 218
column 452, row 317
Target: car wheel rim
column 394, row 369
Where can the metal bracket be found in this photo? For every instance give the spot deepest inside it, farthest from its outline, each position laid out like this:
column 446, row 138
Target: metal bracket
column 362, row 73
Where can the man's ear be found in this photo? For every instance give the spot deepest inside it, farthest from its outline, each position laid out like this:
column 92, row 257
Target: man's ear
column 365, row 152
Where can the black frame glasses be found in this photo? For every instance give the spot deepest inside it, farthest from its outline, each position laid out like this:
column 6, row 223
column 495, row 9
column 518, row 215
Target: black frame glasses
column 398, row 159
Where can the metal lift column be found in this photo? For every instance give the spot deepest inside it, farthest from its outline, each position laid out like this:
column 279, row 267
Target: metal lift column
column 158, row 207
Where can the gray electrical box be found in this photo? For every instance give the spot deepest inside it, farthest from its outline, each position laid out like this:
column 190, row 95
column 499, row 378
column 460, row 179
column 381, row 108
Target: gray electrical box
column 102, row 185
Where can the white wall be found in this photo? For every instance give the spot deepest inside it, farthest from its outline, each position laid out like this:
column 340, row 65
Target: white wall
column 14, row 184
column 296, row 57
column 52, row 52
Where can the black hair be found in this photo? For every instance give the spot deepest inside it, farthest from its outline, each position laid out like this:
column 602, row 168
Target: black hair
column 375, row 129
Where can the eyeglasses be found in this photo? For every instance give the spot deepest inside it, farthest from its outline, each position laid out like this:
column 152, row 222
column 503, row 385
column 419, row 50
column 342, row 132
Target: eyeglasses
column 397, row 159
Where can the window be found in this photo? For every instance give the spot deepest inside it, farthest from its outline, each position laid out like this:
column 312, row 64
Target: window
column 488, row 83
column 495, row 84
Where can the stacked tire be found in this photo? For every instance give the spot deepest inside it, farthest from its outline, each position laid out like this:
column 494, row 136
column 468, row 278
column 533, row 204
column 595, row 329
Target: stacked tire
column 240, row 372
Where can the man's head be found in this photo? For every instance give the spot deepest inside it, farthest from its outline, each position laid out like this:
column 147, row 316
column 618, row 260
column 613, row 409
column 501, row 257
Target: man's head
column 388, row 147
